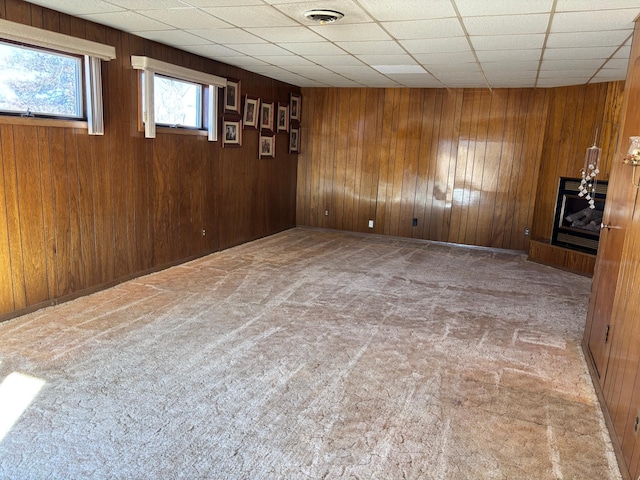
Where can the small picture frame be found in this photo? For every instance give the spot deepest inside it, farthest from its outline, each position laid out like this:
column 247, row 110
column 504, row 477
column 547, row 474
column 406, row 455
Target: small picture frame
column 251, row 115
column 294, row 140
column 283, row 117
column 266, row 116
column 232, row 133
column 295, row 106
column 267, row 146
column 232, row 96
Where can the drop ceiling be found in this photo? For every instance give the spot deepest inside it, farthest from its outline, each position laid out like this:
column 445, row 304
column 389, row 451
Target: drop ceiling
column 390, row 43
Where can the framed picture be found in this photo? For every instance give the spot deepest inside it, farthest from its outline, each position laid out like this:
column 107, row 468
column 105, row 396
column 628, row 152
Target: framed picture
column 295, row 103
column 266, row 116
column 283, row 117
column 267, row 146
column 232, row 96
column 294, row 140
column 251, row 110
column 232, row 133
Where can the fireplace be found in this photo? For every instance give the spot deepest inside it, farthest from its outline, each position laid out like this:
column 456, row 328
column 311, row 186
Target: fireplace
column 576, row 226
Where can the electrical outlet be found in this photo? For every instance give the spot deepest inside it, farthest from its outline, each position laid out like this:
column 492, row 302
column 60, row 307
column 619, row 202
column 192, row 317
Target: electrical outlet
column 527, row 232
column 370, row 223
column 204, row 232
column 414, row 222
column 326, row 213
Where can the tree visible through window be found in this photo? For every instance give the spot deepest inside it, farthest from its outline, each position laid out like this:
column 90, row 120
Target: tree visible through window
column 177, row 102
column 40, row 82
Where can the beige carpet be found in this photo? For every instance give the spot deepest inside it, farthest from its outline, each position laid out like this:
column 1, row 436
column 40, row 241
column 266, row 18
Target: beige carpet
column 306, row 355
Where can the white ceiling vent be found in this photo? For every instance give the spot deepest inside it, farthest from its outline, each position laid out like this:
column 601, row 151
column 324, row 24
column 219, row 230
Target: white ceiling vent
column 323, row 16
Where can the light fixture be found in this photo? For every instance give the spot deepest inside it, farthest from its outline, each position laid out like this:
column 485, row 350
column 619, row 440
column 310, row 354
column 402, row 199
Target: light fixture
column 591, row 168
column 323, row 16
column 633, row 157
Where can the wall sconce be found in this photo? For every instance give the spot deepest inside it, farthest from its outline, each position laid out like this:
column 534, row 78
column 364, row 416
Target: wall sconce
column 633, row 158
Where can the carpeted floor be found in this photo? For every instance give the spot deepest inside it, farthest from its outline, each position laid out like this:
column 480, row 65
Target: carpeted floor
column 306, row 355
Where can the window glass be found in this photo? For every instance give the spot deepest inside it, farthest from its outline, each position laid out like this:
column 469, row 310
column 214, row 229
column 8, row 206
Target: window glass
column 39, row 82
column 177, row 102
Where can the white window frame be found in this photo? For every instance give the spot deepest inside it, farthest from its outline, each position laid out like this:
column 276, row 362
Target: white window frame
column 151, row 66
column 94, row 53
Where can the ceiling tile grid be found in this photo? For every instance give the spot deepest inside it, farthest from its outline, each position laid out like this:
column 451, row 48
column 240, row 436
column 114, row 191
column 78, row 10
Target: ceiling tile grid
column 389, row 43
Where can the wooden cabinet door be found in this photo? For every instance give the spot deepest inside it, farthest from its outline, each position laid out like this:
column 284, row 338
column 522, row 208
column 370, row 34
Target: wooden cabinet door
column 617, row 215
column 618, row 212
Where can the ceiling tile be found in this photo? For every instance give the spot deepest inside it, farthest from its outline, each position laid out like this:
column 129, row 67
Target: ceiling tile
column 388, row 10
column 586, row 74
column 173, row 37
column 399, row 69
column 440, row 58
column 416, row 80
column 334, row 60
column 510, row 66
column 617, row 63
column 78, row 7
column 507, row 24
column 594, row 21
column 371, row 48
column 222, row 3
column 561, row 82
column 571, row 65
column 436, row 45
column 387, row 59
column 287, row 60
column 353, row 71
column 258, row 49
column 417, row 29
column 313, row 48
column 382, row 82
column 252, row 16
column 581, row 5
column 508, row 55
column 507, row 42
column 455, row 68
column 226, row 36
column 578, row 53
column 212, row 51
column 147, row 4
column 311, row 70
column 472, row 8
column 346, row 32
column 268, row 70
column 286, row 34
column 127, row 21
column 592, row 39
column 624, row 53
column 244, row 61
column 187, row 18
column 609, row 75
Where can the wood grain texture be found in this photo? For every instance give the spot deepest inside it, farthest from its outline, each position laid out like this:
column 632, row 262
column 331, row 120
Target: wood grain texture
column 612, row 331
column 81, row 211
column 468, row 164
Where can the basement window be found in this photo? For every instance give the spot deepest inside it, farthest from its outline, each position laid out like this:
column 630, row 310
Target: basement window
column 177, row 97
column 35, row 82
column 177, row 103
column 51, row 75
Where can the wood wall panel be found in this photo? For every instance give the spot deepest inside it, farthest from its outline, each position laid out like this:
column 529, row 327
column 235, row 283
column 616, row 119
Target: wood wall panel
column 79, row 212
column 463, row 162
column 468, row 164
column 575, row 114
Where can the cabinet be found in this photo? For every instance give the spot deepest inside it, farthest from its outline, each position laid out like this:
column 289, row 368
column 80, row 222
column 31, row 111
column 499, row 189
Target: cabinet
column 612, row 332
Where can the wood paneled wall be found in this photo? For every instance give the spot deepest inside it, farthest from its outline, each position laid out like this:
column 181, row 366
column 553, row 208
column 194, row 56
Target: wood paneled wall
column 464, row 162
column 79, row 212
column 576, row 114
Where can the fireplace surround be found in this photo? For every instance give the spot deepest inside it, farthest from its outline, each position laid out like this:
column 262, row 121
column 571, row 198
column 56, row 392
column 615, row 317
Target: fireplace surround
column 576, row 226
